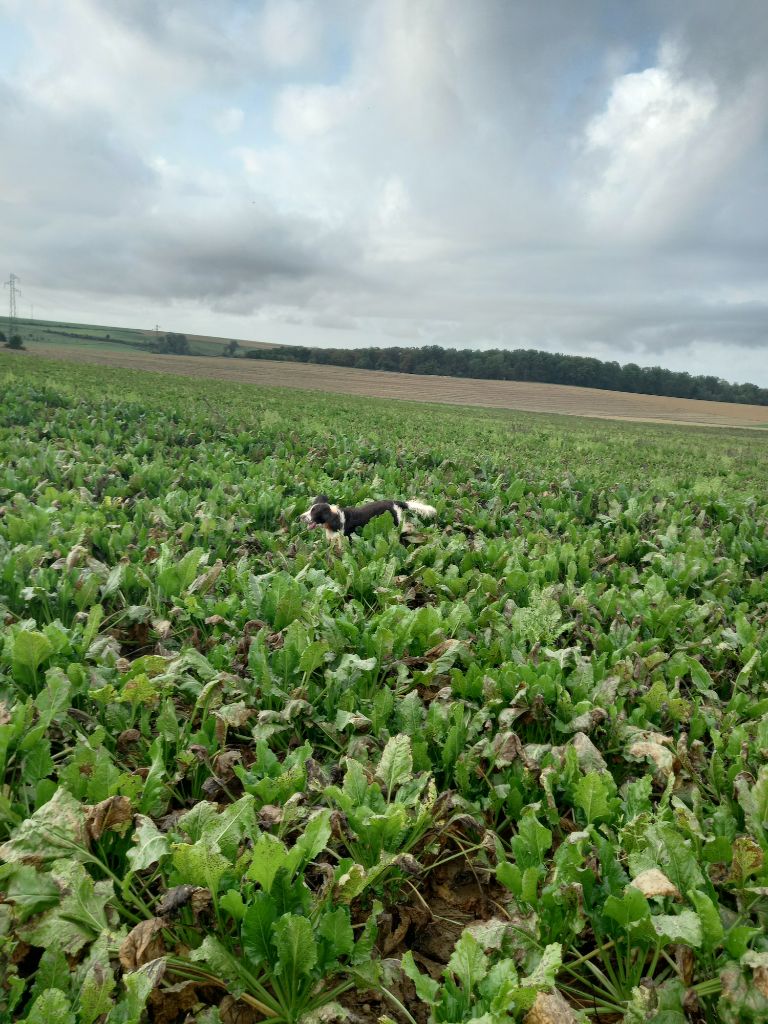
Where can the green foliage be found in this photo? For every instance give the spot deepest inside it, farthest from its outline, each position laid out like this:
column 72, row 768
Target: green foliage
column 267, row 756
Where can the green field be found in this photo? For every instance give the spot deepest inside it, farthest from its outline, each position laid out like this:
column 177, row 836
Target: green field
column 512, row 768
column 64, row 334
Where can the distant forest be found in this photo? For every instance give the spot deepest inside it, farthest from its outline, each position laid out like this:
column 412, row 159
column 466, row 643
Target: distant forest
column 527, row 365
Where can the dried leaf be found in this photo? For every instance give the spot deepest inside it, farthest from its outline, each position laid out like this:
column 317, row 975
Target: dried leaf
column 110, row 814
column 550, row 1008
column 142, row 944
column 655, row 883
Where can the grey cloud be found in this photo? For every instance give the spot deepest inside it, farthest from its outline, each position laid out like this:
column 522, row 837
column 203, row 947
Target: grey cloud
column 436, row 191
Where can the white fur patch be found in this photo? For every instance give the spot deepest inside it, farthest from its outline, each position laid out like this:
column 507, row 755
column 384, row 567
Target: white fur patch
column 340, row 514
column 414, row 505
column 305, row 516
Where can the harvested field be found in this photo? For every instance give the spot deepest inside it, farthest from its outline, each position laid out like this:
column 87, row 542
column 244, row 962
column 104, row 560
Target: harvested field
column 491, row 394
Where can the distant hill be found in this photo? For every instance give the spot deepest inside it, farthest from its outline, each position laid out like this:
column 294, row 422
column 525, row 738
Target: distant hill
column 64, row 333
column 526, row 365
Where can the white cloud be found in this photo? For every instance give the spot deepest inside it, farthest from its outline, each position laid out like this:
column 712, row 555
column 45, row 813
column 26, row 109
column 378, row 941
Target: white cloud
column 660, row 146
column 646, row 140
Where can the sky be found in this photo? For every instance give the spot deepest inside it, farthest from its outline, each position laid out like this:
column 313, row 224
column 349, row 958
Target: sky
column 589, row 178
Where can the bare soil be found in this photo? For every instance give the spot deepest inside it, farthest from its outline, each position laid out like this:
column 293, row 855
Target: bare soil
column 489, row 394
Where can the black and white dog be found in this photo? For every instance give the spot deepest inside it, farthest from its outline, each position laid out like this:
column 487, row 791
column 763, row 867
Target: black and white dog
column 342, row 522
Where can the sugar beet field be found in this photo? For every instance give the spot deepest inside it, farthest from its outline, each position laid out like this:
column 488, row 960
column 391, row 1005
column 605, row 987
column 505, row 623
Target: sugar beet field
column 513, row 768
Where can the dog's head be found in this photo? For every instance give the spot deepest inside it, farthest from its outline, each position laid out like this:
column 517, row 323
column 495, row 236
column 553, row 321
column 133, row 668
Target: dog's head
column 322, row 513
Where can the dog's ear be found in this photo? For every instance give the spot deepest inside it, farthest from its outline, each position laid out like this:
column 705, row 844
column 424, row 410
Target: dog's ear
column 322, row 499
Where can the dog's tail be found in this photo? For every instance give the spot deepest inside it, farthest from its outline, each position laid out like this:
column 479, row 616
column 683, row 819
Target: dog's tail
column 414, row 505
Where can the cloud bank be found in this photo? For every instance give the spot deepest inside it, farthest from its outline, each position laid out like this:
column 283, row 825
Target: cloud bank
column 374, row 172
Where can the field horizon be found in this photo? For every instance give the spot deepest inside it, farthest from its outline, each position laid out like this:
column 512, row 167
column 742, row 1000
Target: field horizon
column 554, row 399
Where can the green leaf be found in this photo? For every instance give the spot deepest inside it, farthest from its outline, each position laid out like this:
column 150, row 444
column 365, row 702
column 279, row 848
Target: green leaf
column 296, row 947
column 30, row 650
column 712, row 926
column 667, row 850
column 367, row 940
column 313, row 656
column 227, row 829
column 256, row 928
column 269, row 855
column 57, row 829
column 531, row 842
column 232, row 902
column 138, row 985
column 510, row 876
column 396, row 764
column 96, row 992
column 468, row 962
column 52, row 972
column 52, row 1007
column 151, row 845
column 79, row 918
column 222, row 963
column 754, row 802
column 592, row 795
column 335, row 930
column 200, row 864
column 313, row 840
column 53, row 698
column 632, row 906
column 426, row 987
column 684, row 928
column 155, row 795
column 31, row 891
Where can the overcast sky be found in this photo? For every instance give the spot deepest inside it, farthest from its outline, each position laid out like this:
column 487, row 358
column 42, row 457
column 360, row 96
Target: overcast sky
column 588, row 177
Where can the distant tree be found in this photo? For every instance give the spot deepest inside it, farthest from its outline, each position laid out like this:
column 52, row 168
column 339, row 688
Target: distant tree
column 15, row 341
column 230, row 349
column 173, row 344
column 2, row 337
column 525, row 365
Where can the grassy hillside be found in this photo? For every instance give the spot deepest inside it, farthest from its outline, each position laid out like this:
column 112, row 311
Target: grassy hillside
column 64, row 335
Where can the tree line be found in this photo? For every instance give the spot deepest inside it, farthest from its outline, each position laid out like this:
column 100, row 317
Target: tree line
column 525, row 365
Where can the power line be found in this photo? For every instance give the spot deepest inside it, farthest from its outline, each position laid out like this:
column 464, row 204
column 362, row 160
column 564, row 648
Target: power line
column 14, row 290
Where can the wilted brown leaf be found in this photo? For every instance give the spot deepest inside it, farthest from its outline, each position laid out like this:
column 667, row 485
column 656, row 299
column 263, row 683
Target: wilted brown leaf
column 127, row 738
column 108, row 815
column 747, row 860
column 233, row 1011
column 142, row 944
column 656, row 748
column 655, row 883
column 550, row 1008
column 170, row 1002
column 224, row 762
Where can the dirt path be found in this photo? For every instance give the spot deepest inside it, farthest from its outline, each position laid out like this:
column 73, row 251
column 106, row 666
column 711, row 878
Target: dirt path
column 490, row 394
